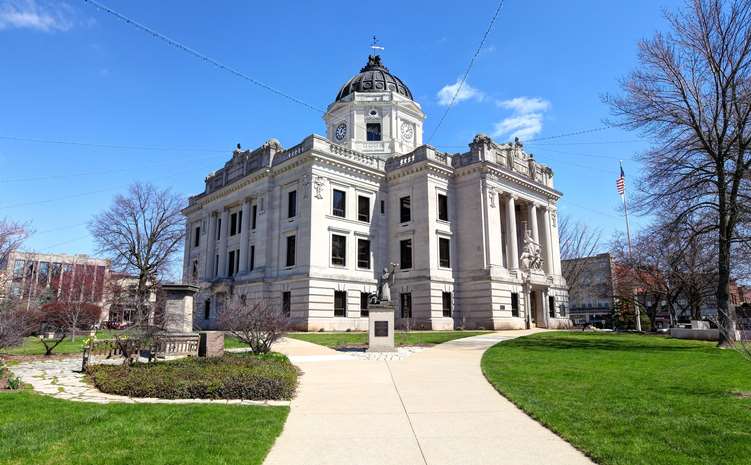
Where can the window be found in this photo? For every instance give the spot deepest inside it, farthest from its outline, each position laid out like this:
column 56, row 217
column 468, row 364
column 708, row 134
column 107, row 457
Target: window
column 292, row 204
column 363, row 208
column 406, row 304
column 290, row 251
column 197, row 236
column 405, row 254
column 446, row 301
column 373, row 131
column 563, row 309
column 363, row 253
column 18, row 268
column 255, row 217
column 405, row 209
column 286, row 303
column 340, row 303
column 338, row 250
column 514, row 304
column 218, row 228
column 340, row 203
column 231, row 263
column 443, row 207
column 194, row 270
column 233, row 224
column 551, row 305
column 43, row 273
column 206, row 309
column 364, row 298
column 252, row 257
column 239, row 222
column 383, row 207
column 216, row 265
column 444, row 252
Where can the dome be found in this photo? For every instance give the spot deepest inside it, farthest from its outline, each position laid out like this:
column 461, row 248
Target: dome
column 374, row 77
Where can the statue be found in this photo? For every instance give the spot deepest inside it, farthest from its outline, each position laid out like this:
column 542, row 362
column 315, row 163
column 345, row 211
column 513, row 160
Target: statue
column 384, row 285
column 531, row 258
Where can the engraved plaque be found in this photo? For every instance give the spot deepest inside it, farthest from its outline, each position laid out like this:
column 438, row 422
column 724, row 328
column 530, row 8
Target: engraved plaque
column 381, row 328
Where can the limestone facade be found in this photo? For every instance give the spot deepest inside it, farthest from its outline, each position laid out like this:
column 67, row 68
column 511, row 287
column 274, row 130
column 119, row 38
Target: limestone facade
column 311, row 227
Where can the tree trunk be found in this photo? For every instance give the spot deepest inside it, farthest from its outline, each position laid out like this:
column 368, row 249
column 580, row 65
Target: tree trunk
column 725, row 311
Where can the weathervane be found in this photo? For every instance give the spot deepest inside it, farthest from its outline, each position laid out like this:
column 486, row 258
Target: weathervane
column 375, row 45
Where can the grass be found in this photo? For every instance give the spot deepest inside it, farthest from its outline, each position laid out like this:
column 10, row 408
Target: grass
column 356, row 339
column 234, row 376
column 631, row 399
column 40, row 430
column 32, row 346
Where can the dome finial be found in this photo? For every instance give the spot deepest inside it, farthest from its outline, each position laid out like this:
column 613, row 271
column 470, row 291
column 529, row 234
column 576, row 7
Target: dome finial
column 375, row 46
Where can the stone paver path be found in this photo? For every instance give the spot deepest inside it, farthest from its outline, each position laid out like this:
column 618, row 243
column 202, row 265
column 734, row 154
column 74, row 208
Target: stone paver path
column 432, row 408
column 62, row 378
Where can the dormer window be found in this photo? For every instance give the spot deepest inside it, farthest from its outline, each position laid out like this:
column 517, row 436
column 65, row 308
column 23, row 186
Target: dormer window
column 373, row 132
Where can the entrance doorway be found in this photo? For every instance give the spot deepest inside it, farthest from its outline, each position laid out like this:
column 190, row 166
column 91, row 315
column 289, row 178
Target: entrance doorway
column 533, row 307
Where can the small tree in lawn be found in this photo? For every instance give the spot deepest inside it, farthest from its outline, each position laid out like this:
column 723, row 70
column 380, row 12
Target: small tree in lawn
column 15, row 324
column 63, row 319
column 258, row 324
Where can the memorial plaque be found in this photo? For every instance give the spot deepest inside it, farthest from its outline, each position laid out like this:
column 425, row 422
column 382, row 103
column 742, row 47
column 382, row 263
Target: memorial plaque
column 381, row 329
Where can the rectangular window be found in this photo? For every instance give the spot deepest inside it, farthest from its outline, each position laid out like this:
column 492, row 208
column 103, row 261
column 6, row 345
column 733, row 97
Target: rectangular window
column 383, row 207
column 239, row 222
column 363, row 208
column 292, row 204
column 373, row 131
column 194, row 270
column 338, row 250
column 197, row 236
column 255, row 217
column 237, row 261
column 339, row 203
column 252, row 257
column 364, row 297
column 563, row 309
column 206, row 309
column 405, row 254
column 363, row 253
column 446, row 301
column 216, row 265
column 443, row 207
column 406, row 304
column 286, row 303
column 444, row 252
column 514, row 304
column 551, row 305
column 233, row 224
column 18, row 268
column 405, row 209
column 43, row 273
column 218, row 228
column 340, row 303
column 231, row 263
column 290, row 251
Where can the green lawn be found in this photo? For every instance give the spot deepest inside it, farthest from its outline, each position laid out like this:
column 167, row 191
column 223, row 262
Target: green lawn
column 32, row 346
column 36, row 429
column 412, row 338
column 631, row 399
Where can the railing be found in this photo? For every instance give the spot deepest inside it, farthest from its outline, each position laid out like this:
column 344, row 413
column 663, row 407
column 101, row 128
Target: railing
column 161, row 346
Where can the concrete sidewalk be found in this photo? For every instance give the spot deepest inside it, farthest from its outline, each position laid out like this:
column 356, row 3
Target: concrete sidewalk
column 432, row 408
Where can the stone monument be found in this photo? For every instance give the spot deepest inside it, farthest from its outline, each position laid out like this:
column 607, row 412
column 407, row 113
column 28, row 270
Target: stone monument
column 381, row 314
column 178, row 307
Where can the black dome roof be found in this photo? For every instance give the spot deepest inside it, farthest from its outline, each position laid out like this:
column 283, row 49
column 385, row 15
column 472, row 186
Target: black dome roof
column 374, row 77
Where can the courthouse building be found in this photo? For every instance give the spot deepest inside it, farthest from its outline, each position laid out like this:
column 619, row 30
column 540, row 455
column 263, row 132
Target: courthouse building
column 311, row 227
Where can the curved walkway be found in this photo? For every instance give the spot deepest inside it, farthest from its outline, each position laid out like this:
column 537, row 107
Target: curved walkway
column 434, row 407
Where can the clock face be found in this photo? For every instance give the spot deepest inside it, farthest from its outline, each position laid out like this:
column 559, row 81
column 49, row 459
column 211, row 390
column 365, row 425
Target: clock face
column 408, row 132
column 341, row 132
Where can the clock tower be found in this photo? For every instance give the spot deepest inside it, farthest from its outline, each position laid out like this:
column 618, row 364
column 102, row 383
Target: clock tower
column 374, row 113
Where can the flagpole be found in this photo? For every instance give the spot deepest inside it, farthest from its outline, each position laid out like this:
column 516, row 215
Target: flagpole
column 637, row 313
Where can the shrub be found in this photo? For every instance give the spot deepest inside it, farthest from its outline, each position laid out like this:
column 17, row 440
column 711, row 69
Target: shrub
column 257, row 324
column 234, row 376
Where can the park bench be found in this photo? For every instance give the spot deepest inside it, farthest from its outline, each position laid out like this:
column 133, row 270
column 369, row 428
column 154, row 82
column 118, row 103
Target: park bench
column 174, row 345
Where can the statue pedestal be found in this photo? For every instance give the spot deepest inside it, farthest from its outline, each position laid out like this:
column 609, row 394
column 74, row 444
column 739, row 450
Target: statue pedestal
column 178, row 308
column 381, row 327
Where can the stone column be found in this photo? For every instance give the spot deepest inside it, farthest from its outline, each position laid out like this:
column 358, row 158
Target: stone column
column 513, row 249
column 223, row 244
column 533, row 222
column 244, row 235
column 210, row 247
column 548, row 243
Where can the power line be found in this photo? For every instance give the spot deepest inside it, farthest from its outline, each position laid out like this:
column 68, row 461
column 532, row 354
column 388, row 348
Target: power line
column 110, row 146
column 466, row 73
column 200, row 55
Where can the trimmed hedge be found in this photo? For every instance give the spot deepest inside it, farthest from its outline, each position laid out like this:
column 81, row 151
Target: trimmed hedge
column 234, row 376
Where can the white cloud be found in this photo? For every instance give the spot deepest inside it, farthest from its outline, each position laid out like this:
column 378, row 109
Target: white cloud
column 526, row 120
column 524, row 105
column 467, row 92
column 29, row 14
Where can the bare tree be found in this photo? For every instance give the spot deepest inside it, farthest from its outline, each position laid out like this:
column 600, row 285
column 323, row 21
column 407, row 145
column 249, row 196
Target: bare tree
column 63, row 319
column 141, row 233
column 12, row 235
column 692, row 95
column 15, row 324
column 579, row 243
column 257, row 324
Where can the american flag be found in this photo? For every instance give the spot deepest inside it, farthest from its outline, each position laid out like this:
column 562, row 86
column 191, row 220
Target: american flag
column 620, row 183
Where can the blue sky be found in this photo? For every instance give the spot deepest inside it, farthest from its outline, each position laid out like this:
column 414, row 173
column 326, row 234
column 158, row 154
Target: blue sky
column 69, row 72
